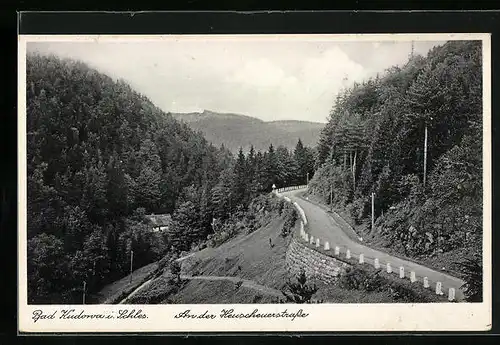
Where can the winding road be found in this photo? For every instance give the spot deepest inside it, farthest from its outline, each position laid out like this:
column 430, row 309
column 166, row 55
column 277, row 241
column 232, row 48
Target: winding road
column 322, row 225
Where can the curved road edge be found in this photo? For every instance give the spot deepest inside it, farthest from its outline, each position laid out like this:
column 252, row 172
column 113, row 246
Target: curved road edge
column 323, row 226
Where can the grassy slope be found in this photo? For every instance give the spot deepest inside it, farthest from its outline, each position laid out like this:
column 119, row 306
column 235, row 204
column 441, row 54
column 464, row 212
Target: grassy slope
column 113, row 291
column 246, row 256
column 218, row 292
column 249, row 257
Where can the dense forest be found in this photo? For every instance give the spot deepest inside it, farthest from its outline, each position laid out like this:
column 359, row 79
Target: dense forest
column 426, row 203
column 100, row 157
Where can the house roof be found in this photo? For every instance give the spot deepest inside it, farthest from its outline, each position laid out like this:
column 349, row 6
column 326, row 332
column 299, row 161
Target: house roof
column 159, row 219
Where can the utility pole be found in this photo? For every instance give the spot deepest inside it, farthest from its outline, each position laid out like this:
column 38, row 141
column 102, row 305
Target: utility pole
column 331, row 197
column 425, row 153
column 131, row 261
column 350, row 160
column 373, row 211
column 307, row 174
column 354, row 170
column 84, row 288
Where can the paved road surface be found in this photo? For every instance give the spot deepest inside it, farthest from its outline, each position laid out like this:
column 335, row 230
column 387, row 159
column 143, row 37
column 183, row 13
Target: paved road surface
column 321, row 225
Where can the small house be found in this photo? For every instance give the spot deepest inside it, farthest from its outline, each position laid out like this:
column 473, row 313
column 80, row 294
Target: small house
column 159, row 222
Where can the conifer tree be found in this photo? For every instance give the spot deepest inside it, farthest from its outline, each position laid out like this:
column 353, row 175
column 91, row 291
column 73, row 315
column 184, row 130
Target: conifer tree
column 270, row 168
column 240, row 180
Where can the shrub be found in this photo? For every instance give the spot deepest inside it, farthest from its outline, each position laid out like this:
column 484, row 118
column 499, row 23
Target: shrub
column 359, row 279
column 406, row 292
column 299, row 291
column 280, row 206
column 472, row 273
column 291, row 216
column 359, row 210
column 257, row 299
column 261, row 210
column 367, row 278
column 175, row 271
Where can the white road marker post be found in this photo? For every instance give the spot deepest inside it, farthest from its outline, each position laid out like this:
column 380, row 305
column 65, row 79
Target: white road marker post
column 413, row 277
column 337, row 251
column 376, row 264
column 401, row 272
column 426, row 283
column 327, row 245
column 439, row 287
column 348, row 254
column 361, row 258
column 451, row 294
column 317, row 242
column 389, row 267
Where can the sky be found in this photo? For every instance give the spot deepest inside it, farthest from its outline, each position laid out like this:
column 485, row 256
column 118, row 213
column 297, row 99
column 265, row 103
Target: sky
column 270, row 79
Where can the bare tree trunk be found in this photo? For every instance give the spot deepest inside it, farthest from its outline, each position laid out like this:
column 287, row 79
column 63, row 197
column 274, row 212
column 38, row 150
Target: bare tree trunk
column 425, row 154
column 350, row 160
column 331, row 197
column 373, row 211
column 354, row 170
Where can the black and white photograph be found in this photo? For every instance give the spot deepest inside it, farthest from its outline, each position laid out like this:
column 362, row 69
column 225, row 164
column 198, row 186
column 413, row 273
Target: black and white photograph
column 288, row 170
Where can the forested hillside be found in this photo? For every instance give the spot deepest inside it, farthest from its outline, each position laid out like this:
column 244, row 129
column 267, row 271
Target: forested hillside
column 374, row 143
column 225, row 204
column 100, row 157
column 235, row 131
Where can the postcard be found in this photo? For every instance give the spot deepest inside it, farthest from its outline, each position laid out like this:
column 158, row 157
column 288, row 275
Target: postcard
column 254, row 183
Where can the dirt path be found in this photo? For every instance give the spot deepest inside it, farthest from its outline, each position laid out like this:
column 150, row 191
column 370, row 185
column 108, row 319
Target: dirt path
column 245, row 283
column 321, row 225
column 146, row 283
column 143, row 285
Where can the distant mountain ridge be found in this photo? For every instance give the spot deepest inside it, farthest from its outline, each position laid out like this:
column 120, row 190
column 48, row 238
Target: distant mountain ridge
column 235, row 130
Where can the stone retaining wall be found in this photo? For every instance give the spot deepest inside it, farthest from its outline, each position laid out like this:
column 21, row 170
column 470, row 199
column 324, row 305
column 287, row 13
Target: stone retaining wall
column 315, row 264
